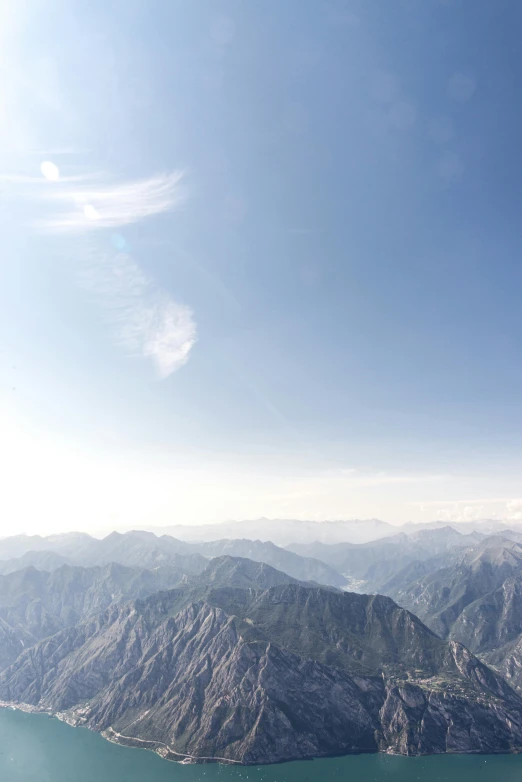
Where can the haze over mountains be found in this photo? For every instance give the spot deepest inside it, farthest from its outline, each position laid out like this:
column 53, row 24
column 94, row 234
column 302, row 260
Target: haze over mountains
column 286, row 531
column 244, row 650
column 144, row 549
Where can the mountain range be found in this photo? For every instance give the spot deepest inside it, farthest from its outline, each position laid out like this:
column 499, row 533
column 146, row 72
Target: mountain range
column 369, row 566
column 242, row 650
column 144, row 549
column 243, row 664
column 284, row 532
column 476, row 601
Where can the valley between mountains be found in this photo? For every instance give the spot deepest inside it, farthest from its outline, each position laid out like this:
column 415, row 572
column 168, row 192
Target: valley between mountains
column 246, row 651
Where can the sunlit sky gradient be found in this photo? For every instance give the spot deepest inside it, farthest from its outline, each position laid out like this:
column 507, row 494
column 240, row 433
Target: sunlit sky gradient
column 259, row 259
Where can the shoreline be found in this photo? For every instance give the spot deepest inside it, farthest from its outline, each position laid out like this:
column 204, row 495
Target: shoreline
column 167, row 753
column 163, row 750
column 159, row 747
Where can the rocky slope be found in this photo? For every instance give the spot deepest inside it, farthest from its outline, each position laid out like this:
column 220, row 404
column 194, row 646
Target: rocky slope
column 507, row 661
column 245, row 664
column 477, row 602
column 440, row 598
column 493, row 620
column 35, row 604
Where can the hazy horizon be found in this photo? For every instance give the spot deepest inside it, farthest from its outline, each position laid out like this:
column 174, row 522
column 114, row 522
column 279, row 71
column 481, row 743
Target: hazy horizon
column 228, row 524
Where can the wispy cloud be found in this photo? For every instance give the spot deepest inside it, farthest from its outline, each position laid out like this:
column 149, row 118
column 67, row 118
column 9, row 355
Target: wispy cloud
column 84, row 202
column 112, row 204
column 148, row 322
column 93, row 201
column 382, row 478
column 498, row 508
column 438, row 503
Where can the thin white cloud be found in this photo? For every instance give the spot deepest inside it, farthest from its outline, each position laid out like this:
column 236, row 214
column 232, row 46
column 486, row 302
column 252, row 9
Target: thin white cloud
column 147, row 321
column 385, row 478
column 498, row 508
column 111, row 204
column 73, row 201
column 32, row 188
column 488, row 501
column 54, row 151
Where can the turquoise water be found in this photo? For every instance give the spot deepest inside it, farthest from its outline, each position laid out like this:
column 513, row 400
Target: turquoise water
column 36, row 748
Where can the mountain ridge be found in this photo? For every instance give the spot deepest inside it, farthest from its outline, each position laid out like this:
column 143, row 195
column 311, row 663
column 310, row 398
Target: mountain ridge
column 226, row 666
column 139, row 548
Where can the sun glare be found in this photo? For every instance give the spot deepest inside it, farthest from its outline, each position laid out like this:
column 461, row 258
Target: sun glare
column 50, row 171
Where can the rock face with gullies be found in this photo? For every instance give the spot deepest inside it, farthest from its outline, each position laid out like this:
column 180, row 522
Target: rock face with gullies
column 507, row 660
column 477, row 602
column 493, row 620
column 441, row 597
column 245, row 664
column 36, row 604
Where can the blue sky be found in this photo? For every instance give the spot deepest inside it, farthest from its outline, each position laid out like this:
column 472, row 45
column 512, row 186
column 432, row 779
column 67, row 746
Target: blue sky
column 273, row 268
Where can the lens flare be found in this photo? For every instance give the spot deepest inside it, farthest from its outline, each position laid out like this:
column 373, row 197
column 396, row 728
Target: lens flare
column 50, row 171
column 90, row 212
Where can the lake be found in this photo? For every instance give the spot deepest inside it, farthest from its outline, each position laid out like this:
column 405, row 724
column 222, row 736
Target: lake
column 36, row 748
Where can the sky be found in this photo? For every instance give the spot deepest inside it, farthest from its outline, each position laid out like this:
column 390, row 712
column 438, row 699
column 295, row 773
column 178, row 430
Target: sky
column 259, row 260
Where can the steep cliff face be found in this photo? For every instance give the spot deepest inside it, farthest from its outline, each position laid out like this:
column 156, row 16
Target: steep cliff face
column 202, row 690
column 256, row 674
column 507, row 661
column 416, row 720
